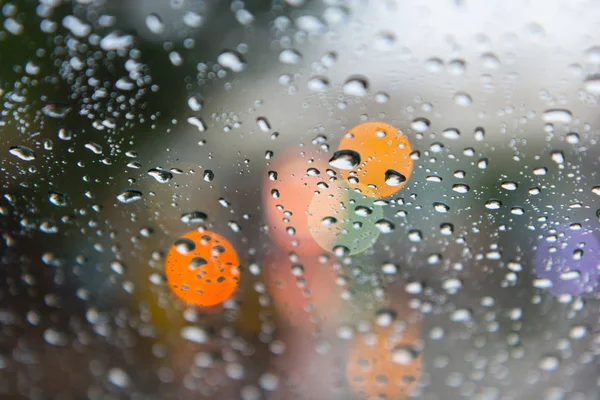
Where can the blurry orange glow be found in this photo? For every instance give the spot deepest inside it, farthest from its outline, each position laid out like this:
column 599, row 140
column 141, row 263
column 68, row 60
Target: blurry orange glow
column 202, row 268
column 385, row 364
column 384, row 154
column 287, row 197
column 304, row 299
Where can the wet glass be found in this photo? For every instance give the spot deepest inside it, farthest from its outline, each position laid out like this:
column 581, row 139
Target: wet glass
column 300, row 199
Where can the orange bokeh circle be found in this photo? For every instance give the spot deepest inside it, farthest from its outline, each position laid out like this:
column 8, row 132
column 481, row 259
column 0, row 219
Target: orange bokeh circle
column 385, row 163
column 386, row 365
column 202, row 268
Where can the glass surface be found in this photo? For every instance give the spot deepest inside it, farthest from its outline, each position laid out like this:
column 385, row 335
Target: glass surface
column 320, row 200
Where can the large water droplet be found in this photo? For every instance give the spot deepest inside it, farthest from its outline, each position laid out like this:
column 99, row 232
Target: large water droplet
column 129, row 196
column 194, row 217
column 56, row 110
column 58, row 199
column 557, row 115
column 160, row 175
column 356, row 86
column 394, row 178
column 22, row 152
column 290, row 56
column 232, row 60
column 345, row 159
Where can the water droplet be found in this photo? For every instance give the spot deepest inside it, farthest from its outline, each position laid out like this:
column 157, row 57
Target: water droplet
column 184, row 246
column 356, row 86
column 263, row 123
column 572, row 138
column 456, row 67
column 592, row 85
column 540, row 171
column 195, row 102
column 327, row 221
column 232, row 60
column 381, row 97
column 318, row 84
column 441, row 207
column 394, row 178
column 22, row 152
column 404, row 354
column 509, row 185
column 446, row 229
column 341, row 251
column 129, row 196
column 557, row 115
column 208, row 175
column 596, row 190
column 558, row 157
column 415, row 236
column 461, row 315
column 385, row 226
column 345, row 159
column 197, row 262
column 420, row 124
column 483, row 163
column 290, row 56
column 194, row 217
column 198, row 123
column 363, row 211
column 118, row 377
column 310, row 24
column 549, row 363
column 160, row 175
column 451, row 133
column 58, row 199
column 493, row 204
column 489, row 60
column 56, row 110
column 155, row 24
column 192, row 19
column 461, row 188
column 385, row 317
column 93, row 147
column 389, row 269
column 434, row 65
column 479, row 134
column 64, row 134
column 463, row 99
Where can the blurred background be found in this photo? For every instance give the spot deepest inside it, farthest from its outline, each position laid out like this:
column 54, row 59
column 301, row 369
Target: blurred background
column 128, row 124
